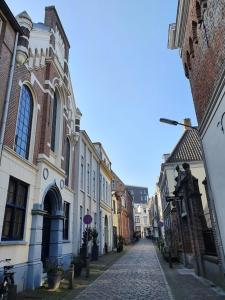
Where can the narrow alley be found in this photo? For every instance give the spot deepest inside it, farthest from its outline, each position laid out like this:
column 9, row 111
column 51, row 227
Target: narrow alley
column 138, row 275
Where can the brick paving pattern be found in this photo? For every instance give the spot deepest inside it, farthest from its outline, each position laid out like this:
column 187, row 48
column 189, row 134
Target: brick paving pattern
column 136, row 275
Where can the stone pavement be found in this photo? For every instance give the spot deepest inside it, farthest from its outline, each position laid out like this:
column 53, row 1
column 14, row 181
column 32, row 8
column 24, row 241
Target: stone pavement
column 185, row 285
column 136, row 275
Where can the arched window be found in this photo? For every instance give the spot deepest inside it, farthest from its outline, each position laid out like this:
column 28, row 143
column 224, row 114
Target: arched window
column 67, row 162
column 54, row 119
column 24, row 122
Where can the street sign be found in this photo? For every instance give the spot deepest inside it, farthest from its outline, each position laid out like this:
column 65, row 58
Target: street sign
column 87, row 219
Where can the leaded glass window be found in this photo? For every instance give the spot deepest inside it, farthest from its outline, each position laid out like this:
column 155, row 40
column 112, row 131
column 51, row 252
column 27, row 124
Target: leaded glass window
column 54, row 115
column 24, row 122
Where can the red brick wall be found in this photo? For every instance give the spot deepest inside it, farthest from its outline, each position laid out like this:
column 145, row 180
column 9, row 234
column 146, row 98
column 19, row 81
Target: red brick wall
column 7, row 40
column 208, row 62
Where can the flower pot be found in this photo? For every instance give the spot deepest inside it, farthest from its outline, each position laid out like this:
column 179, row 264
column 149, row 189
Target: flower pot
column 54, row 280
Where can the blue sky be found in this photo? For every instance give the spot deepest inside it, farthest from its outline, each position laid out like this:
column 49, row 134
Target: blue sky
column 124, row 78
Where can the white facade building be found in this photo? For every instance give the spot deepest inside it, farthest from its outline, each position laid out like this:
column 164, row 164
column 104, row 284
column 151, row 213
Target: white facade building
column 106, row 213
column 87, row 185
column 141, row 219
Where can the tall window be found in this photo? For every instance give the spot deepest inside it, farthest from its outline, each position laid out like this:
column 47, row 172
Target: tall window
column 82, row 173
column 94, row 185
column 103, row 189
column 15, row 210
column 114, row 206
column 88, row 178
column 54, row 119
column 67, row 163
column 106, row 191
column 66, row 221
column 24, row 122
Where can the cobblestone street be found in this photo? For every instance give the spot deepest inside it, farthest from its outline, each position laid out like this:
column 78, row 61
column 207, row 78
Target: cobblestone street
column 136, row 275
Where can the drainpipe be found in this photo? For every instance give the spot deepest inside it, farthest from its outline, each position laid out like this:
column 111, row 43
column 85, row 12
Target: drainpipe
column 8, row 92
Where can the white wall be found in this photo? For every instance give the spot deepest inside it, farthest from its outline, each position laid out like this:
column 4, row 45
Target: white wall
column 214, row 148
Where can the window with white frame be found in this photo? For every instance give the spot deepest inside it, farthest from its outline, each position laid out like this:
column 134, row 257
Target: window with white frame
column 106, row 191
column 103, row 189
column 67, row 162
column 88, row 178
column 94, row 184
column 82, row 173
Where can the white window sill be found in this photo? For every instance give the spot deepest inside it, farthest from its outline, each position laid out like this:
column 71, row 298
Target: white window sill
column 11, row 243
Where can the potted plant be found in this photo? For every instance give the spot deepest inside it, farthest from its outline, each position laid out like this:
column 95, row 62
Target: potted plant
column 94, row 250
column 120, row 243
column 54, row 274
column 87, row 236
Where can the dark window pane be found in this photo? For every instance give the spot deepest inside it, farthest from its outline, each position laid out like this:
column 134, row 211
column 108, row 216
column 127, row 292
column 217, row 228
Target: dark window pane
column 11, row 192
column 67, row 163
column 21, row 195
column 13, row 225
column 66, row 221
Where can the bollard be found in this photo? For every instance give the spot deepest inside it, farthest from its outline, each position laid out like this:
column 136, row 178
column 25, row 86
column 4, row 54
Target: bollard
column 71, row 276
column 12, row 292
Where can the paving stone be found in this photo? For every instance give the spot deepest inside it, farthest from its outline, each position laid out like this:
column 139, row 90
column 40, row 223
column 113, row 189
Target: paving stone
column 136, row 275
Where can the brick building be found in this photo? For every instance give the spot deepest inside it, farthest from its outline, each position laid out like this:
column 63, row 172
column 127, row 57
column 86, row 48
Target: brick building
column 199, row 33
column 178, row 231
column 37, row 165
column 10, row 31
column 124, row 209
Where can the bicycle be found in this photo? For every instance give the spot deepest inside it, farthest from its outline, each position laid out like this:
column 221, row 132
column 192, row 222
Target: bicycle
column 7, row 280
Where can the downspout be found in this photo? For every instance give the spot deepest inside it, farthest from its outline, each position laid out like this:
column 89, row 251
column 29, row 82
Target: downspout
column 6, row 104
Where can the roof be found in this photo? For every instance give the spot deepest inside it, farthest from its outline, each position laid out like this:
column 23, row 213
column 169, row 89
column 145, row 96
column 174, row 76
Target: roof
column 7, row 12
column 187, row 149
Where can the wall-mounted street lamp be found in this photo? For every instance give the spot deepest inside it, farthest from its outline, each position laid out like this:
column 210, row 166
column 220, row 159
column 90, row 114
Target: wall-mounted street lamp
column 175, row 123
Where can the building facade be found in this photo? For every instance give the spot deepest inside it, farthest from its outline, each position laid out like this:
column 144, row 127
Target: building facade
column 124, row 209
column 37, row 164
column 106, row 213
column 199, row 34
column 10, row 32
column 87, row 183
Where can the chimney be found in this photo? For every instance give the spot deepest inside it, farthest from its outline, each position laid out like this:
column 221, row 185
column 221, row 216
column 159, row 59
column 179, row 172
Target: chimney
column 187, row 123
